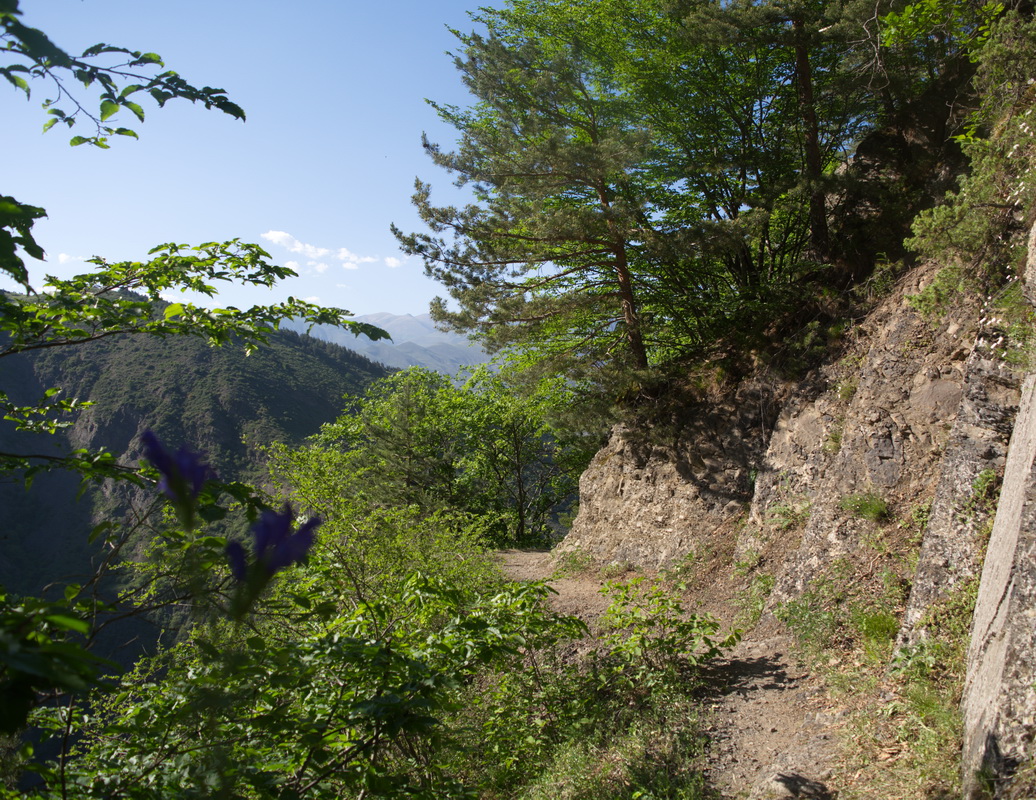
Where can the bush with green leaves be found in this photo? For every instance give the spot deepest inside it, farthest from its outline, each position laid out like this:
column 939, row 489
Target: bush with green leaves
column 617, row 720
column 309, row 698
column 430, row 687
column 417, row 439
column 649, row 636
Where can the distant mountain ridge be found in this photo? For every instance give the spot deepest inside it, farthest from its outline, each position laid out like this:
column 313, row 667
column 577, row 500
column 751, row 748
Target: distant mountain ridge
column 415, row 342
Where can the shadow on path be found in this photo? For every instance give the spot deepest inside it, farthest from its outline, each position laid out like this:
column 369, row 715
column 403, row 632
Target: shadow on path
column 742, row 675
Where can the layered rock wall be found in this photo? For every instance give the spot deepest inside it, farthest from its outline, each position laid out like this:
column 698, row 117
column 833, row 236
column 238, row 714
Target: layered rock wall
column 914, row 417
column 655, row 494
column 1000, row 695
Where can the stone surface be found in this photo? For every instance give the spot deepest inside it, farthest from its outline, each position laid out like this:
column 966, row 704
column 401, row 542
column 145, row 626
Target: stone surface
column 910, row 414
column 952, row 550
column 1000, row 696
column 653, row 495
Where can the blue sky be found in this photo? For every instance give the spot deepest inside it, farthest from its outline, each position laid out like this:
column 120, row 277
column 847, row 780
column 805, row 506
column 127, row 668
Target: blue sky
column 334, row 92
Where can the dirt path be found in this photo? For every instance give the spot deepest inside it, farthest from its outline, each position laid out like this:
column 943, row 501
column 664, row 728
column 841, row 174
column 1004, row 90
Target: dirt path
column 773, row 731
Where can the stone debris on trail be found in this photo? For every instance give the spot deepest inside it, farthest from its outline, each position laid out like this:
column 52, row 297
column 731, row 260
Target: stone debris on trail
column 772, row 732
column 577, row 595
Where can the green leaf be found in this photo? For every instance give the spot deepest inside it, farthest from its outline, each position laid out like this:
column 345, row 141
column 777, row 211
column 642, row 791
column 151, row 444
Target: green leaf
column 108, row 109
column 160, row 96
column 138, row 112
column 211, row 513
column 75, row 141
column 68, row 623
column 17, row 81
column 100, row 529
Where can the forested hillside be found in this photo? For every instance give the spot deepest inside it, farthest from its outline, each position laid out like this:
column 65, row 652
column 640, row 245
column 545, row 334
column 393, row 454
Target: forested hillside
column 228, row 404
column 767, row 244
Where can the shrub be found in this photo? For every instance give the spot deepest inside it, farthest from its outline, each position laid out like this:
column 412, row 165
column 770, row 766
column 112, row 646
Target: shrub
column 866, row 505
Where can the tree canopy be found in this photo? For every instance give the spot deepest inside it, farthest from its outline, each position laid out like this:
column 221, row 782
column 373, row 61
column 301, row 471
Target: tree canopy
column 646, row 179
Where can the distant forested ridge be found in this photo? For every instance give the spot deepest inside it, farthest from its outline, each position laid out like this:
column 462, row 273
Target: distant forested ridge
column 225, row 403
column 416, row 342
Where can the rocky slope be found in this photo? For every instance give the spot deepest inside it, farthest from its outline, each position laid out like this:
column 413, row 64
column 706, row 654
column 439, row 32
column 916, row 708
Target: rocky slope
column 857, row 499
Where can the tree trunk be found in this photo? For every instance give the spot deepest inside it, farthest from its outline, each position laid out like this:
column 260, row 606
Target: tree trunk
column 634, row 335
column 818, row 234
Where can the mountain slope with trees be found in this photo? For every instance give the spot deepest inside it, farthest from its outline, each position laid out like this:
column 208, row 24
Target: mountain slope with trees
column 677, row 212
column 228, row 404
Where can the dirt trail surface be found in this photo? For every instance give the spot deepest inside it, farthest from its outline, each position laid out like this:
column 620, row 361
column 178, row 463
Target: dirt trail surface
column 773, row 731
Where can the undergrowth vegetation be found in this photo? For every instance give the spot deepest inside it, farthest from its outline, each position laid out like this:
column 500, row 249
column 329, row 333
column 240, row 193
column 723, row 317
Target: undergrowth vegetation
column 393, row 661
column 902, row 735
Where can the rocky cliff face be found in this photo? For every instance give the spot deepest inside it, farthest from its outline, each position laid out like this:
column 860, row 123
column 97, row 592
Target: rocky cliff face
column 652, row 496
column 879, row 474
column 1000, row 695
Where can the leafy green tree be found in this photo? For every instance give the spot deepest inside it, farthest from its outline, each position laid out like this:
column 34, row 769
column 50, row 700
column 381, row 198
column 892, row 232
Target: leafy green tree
column 519, row 466
column 547, row 151
column 646, row 177
column 416, row 439
column 935, row 31
column 408, row 436
column 43, row 643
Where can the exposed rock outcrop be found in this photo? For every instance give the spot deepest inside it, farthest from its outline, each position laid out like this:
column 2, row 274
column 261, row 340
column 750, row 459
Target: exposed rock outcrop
column 1000, row 697
column 911, row 424
column 652, row 496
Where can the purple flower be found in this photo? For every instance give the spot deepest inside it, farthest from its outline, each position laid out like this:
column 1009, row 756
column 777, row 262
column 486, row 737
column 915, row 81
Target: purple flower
column 183, row 474
column 276, row 546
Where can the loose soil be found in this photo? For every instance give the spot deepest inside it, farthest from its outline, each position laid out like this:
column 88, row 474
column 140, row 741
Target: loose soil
column 772, row 729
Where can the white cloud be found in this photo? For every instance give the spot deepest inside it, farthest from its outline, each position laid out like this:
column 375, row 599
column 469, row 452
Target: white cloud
column 344, row 254
column 293, row 245
column 349, row 259
column 65, row 258
column 314, row 299
column 394, row 262
column 293, row 265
